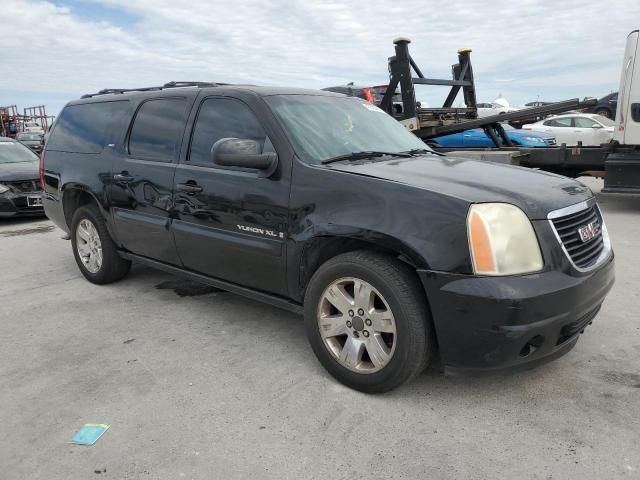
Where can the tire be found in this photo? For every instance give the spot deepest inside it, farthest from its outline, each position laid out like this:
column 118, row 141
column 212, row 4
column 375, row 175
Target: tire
column 99, row 245
column 605, row 112
column 396, row 293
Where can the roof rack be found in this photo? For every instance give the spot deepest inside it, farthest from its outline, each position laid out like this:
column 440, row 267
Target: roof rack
column 172, row 84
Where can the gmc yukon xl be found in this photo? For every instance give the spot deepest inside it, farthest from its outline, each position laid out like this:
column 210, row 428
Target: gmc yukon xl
column 325, row 205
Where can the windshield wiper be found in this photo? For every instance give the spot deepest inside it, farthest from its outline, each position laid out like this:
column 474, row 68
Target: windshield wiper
column 418, row 151
column 363, row 155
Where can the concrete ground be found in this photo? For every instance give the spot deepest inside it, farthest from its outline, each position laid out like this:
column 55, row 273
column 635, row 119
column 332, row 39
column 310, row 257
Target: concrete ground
column 216, row 386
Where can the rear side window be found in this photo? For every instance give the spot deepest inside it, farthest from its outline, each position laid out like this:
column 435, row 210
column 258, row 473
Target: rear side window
column 88, row 127
column 558, row 122
column 157, row 129
column 224, row 118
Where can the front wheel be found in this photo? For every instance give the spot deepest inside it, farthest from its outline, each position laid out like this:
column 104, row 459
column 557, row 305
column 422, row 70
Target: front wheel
column 367, row 321
column 94, row 250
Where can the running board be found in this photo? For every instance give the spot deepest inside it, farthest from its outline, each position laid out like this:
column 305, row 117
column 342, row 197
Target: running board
column 274, row 300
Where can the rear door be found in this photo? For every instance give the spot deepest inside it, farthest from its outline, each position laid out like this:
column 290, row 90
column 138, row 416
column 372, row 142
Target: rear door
column 231, row 223
column 627, row 130
column 142, row 176
column 561, row 128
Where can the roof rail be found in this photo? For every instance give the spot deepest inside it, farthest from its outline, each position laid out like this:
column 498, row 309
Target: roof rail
column 172, row 84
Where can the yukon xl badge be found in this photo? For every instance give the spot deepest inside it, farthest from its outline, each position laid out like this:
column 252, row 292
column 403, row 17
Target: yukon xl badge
column 589, row 231
column 260, row 231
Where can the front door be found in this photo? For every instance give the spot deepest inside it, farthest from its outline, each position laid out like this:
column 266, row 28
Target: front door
column 585, row 131
column 231, row 223
column 142, row 177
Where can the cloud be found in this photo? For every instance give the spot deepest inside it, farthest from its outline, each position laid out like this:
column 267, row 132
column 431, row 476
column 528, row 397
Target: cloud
column 65, row 48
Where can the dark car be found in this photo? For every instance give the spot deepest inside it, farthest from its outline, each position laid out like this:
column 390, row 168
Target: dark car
column 606, row 106
column 373, row 95
column 326, row 206
column 19, row 187
column 34, row 141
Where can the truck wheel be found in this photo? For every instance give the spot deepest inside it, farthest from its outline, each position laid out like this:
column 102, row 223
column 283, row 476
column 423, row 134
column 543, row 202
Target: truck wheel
column 367, row 320
column 605, row 112
column 93, row 248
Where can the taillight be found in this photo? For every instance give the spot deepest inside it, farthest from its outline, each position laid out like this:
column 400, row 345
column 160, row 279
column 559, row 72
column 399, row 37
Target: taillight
column 368, row 95
column 41, row 169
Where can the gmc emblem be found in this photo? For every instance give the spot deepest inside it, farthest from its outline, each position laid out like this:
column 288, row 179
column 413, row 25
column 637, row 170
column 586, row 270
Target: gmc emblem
column 589, row 231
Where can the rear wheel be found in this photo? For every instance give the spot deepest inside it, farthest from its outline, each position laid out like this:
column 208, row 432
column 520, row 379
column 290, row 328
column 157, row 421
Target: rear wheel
column 368, row 322
column 94, row 250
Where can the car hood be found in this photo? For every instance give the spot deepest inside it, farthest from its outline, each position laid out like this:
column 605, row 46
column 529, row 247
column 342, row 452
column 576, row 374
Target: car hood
column 536, row 193
column 18, row 171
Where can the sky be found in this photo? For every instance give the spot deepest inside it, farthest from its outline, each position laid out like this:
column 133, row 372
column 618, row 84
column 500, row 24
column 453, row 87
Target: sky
column 54, row 51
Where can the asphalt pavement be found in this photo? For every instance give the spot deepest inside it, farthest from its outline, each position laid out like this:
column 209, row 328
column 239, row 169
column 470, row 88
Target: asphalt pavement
column 203, row 384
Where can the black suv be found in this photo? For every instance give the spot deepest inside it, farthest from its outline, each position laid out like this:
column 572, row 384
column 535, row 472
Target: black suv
column 325, row 205
column 606, row 106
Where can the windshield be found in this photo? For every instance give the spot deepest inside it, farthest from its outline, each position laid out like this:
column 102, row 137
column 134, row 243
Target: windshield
column 28, row 136
column 326, row 127
column 607, row 122
column 14, row 152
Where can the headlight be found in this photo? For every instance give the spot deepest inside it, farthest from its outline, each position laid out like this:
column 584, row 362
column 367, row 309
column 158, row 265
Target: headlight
column 502, row 240
column 4, row 188
column 534, row 139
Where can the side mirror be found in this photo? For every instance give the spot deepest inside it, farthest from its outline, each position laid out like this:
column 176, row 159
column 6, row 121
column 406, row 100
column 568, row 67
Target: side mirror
column 243, row 153
column 596, row 125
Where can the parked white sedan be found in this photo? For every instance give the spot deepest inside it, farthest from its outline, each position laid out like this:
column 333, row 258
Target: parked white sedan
column 590, row 129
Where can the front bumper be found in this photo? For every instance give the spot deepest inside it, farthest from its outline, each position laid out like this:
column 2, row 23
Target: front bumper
column 489, row 323
column 20, row 204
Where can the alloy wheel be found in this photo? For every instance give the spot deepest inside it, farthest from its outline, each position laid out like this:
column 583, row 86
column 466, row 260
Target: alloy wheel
column 357, row 325
column 89, row 246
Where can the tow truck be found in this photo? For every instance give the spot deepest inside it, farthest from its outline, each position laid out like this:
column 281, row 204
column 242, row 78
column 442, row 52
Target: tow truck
column 618, row 161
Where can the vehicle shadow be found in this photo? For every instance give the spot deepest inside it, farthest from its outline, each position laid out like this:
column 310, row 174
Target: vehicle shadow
column 278, row 325
column 11, row 221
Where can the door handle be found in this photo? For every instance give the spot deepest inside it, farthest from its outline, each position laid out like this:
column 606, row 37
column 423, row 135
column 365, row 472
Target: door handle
column 123, row 177
column 188, row 187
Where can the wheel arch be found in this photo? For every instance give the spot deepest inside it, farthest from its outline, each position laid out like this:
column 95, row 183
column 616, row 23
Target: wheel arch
column 312, row 252
column 73, row 197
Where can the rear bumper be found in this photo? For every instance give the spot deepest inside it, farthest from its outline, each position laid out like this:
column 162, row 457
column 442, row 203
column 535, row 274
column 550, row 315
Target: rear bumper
column 489, row 323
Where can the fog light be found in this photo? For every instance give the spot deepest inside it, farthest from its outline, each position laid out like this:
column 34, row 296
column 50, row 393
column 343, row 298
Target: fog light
column 531, row 346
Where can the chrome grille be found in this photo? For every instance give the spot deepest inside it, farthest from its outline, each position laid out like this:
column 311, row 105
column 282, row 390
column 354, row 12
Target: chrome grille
column 584, row 254
column 550, row 141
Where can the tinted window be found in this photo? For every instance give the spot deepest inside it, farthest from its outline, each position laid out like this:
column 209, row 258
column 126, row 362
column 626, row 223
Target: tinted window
column 558, row 122
column 224, row 118
column 88, row 127
column 157, row 129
